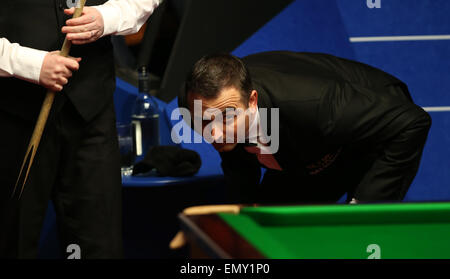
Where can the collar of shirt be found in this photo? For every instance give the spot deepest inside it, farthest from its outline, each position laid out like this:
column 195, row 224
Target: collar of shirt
column 253, row 129
column 255, row 133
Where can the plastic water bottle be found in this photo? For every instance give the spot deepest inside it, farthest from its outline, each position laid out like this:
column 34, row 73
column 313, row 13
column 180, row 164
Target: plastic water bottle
column 145, row 118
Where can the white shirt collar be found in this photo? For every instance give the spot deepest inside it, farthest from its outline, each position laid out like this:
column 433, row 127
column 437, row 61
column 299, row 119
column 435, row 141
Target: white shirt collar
column 252, row 137
column 256, row 127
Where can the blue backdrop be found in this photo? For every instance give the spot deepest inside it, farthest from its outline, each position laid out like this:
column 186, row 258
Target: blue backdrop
column 327, row 26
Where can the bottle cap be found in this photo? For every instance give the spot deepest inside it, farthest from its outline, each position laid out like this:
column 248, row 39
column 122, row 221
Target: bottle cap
column 143, row 80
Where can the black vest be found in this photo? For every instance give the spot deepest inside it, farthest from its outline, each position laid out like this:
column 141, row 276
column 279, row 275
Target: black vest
column 37, row 24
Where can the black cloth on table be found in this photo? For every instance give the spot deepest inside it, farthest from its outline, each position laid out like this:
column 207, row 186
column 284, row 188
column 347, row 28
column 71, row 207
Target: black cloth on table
column 169, row 160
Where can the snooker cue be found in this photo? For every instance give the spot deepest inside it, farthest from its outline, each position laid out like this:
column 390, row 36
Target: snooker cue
column 180, row 239
column 43, row 115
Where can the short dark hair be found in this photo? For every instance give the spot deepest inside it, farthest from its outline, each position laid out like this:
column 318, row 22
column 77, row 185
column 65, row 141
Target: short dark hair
column 214, row 72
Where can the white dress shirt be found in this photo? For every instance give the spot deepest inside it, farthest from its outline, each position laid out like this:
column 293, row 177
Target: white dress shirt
column 125, row 17
column 19, row 61
column 120, row 17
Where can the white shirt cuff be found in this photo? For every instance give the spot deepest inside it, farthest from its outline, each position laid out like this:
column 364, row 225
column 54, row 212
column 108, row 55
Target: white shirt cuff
column 110, row 19
column 29, row 63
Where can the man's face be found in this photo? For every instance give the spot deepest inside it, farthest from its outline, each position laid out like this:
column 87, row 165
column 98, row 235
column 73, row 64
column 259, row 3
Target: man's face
column 224, row 117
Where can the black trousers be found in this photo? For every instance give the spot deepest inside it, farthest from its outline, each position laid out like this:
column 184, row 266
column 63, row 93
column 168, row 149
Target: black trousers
column 77, row 168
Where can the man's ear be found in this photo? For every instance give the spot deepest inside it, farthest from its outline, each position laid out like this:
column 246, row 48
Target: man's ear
column 253, row 99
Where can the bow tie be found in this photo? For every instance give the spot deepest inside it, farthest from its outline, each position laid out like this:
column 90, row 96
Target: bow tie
column 268, row 160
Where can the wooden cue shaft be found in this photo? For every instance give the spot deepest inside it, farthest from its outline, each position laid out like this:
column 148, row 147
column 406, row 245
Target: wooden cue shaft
column 43, row 115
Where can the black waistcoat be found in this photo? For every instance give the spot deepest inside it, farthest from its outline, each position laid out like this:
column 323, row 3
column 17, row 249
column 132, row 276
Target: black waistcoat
column 37, row 24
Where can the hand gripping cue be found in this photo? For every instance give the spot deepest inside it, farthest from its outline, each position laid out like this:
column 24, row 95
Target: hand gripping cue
column 43, row 115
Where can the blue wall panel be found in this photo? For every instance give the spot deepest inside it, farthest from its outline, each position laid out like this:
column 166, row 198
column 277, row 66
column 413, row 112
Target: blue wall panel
column 314, row 26
column 327, row 25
